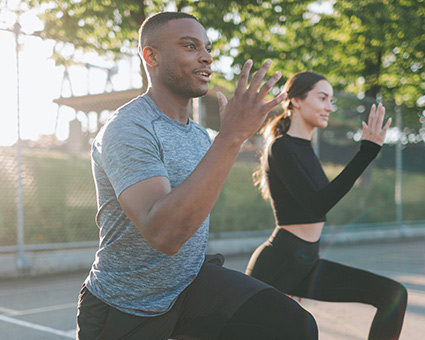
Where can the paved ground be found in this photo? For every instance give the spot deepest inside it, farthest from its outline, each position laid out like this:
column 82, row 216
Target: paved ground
column 44, row 308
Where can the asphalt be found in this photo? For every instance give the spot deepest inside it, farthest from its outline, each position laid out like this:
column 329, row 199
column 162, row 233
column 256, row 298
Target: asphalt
column 44, row 308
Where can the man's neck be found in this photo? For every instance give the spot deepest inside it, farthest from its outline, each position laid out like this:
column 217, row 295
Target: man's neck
column 172, row 105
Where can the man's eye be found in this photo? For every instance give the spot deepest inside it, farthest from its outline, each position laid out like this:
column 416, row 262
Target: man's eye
column 191, row 46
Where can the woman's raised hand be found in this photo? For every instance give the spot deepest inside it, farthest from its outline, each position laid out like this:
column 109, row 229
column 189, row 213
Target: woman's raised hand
column 373, row 130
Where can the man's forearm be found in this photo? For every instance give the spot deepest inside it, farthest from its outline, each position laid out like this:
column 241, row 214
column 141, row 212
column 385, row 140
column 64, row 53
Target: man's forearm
column 175, row 217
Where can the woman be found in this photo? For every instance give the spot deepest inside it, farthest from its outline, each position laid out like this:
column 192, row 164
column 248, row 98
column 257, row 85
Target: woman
column 292, row 177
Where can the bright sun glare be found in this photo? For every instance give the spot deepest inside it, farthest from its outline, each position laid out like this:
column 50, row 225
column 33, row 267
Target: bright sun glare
column 40, row 81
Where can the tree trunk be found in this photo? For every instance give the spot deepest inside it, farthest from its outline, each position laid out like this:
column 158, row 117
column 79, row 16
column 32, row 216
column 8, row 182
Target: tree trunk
column 372, row 73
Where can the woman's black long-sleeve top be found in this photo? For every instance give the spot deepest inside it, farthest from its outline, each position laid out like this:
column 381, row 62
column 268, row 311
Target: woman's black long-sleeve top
column 299, row 189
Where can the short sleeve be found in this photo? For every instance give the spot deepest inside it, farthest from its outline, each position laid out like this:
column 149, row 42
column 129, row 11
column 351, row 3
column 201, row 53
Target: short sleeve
column 129, row 154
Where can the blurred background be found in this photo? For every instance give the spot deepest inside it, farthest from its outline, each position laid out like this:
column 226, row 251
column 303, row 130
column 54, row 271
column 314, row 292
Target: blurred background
column 66, row 65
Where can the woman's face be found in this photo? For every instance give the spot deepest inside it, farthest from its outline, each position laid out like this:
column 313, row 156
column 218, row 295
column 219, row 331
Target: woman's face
column 315, row 109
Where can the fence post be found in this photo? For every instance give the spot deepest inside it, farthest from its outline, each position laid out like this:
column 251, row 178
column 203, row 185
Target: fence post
column 399, row 172
column 23, row 262
column 198, row 114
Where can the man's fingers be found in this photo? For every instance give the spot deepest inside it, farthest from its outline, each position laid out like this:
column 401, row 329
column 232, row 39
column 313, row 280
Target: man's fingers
column 243, row 78
column 267, row 86
column 272, row 103
column 258, row 77
column 222, row 101
column 250, row 98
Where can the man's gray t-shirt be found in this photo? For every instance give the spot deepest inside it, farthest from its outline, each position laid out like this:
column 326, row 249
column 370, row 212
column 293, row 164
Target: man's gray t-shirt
column 139, row 142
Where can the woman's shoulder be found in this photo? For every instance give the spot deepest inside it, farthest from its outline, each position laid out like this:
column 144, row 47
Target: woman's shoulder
column 281, row 147
column 288, row 142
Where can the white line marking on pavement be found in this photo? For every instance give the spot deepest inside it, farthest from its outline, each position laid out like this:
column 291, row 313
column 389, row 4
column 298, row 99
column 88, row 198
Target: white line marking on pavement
column 40, row 310
column 6, row 310
column 72, row 333
column 32, row 290
column 37, row 327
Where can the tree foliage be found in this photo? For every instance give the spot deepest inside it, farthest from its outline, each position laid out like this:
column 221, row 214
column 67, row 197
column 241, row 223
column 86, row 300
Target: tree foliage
column 104, row 26
column 368, row 48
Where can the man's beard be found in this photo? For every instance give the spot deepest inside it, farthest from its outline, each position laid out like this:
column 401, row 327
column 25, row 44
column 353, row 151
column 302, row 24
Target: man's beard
column 183, row 86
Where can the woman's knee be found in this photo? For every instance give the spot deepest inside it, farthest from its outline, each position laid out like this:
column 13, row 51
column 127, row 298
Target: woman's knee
column 395, row 295
column 400, row 295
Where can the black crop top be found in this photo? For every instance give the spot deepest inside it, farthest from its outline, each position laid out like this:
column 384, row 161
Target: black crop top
column 299, row 189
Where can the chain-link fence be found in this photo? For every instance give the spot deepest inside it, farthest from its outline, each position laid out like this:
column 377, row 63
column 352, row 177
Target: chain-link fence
column 389, row 193
column 47, row 195
column 57, row 204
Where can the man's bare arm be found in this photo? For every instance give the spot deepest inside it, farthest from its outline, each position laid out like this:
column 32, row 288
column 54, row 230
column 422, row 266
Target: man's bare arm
column 168, row 218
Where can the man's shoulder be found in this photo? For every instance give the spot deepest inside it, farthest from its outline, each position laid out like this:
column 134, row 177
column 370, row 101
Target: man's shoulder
column 134, row 118
column 134, row 114
column 209, row 134
column 137, row 109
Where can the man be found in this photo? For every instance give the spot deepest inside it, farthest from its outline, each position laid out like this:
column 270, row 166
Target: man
column 157, row 179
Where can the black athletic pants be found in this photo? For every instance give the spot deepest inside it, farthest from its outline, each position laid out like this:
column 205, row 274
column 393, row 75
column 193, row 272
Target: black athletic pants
column 263, row 317
column 220, row 304
column 293, row 266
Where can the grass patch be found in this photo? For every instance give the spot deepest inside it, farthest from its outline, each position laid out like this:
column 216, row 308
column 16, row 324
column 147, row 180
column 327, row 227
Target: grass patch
column 240, row 206
column 60, row 203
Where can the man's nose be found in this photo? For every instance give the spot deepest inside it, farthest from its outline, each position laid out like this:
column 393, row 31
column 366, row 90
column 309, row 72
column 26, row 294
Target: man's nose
column 206, row 57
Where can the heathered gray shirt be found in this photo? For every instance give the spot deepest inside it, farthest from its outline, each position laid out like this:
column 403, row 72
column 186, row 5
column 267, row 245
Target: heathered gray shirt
column 139, row 142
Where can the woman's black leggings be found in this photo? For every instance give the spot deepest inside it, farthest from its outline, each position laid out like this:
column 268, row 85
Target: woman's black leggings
column 293, row 266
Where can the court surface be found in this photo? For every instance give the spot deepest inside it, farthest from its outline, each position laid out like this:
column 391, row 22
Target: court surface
column 44, row 308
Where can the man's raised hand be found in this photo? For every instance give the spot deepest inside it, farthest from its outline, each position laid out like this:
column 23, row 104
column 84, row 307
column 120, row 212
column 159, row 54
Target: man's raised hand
column 246, row 111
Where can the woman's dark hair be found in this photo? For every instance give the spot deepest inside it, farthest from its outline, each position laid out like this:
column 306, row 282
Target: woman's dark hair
column 298, row 86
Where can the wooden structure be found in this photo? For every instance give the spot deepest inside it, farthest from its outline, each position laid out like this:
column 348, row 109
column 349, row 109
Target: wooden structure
column 109, row 101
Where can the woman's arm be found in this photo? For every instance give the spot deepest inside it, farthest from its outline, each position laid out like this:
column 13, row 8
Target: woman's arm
column 319, row 201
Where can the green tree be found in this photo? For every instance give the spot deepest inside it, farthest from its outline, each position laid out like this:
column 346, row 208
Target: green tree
column 107, row 27
column 383, row 51
column 368, row 48
column 104, row 26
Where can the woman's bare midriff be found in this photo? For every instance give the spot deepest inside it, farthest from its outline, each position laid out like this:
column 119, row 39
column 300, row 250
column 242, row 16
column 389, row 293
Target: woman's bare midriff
column 308, row 232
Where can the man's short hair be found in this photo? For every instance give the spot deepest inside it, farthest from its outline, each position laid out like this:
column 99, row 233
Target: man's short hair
column 155, row 21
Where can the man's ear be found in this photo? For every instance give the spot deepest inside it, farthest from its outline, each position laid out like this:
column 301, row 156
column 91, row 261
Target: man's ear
column 148, row 54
